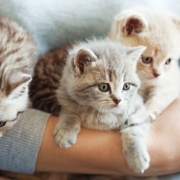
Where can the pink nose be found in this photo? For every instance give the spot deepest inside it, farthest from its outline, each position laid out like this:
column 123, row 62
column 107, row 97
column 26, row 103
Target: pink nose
column 156, row 74
column 117, row 101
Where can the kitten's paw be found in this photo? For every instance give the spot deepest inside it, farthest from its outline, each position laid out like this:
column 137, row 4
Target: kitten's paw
column 65, row 137
column 153, row 115
column 137, row 159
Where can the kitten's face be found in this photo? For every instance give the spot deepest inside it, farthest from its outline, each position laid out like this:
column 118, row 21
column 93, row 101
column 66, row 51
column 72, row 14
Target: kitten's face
column 144, row 27
column 107, row 82
column 13, row 99
column 107, row 90
column 156, row 60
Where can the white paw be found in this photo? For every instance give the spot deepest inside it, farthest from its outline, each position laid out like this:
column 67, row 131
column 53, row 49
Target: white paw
column 65, row 137
column 137, row 159
column 153, row 115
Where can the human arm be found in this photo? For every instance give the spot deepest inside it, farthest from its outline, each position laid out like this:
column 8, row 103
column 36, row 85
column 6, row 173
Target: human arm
column 95, row 151
column 101, row 152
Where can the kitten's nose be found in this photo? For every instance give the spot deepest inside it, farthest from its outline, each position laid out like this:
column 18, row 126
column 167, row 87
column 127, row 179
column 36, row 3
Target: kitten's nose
column 117, row 101
column 156, row 74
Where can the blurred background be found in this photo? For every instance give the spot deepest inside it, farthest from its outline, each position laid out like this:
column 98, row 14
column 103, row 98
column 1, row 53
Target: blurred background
column 55, row 22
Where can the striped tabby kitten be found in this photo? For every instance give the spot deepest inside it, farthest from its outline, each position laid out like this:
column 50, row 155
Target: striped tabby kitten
column 98, row 90
column 158, row 66
column 45, row 82
column 17, row 61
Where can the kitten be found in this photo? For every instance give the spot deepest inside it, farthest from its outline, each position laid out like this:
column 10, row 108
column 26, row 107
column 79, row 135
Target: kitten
column 158, row 66
column 101, row 93
column 45, row 82
column 17, row 60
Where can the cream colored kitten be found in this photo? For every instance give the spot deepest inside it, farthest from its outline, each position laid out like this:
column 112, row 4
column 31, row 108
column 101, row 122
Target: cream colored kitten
column 158, row 66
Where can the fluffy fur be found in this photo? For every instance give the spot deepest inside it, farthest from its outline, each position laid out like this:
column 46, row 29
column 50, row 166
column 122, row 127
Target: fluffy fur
column 158, row 66
column 101, row 93
column 45, row 82
column 17, row 61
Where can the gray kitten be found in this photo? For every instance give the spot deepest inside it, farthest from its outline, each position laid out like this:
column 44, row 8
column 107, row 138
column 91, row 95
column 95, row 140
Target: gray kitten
column 101, row 92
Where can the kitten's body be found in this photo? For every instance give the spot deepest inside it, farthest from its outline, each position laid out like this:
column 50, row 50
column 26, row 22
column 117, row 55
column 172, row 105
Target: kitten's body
column 17, row 61
column 159, row 33
column 45, row 82
column 92, row 65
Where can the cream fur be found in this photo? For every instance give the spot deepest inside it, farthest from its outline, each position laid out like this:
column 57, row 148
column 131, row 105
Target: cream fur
column 159, row 32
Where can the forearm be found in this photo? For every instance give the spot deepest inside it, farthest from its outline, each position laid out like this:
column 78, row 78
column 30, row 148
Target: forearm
column 100, row 152
column 94, row 152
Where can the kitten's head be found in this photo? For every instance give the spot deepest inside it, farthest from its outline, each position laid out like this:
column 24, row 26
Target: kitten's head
column 13, row 98
column 17, row 61
column 155, row 30
column 102, row 74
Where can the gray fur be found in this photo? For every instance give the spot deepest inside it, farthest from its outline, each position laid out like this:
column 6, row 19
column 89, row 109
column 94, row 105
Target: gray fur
column 88, row 65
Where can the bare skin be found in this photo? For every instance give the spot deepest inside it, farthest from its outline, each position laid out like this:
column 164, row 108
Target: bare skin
column 100, row 152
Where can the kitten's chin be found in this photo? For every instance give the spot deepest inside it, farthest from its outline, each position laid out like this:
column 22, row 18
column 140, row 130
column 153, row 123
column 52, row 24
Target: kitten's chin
column 149, row 77
column 153, row 78
column 112, row 109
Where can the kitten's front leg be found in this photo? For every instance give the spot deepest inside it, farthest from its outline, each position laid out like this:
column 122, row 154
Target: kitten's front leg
column 153, row 107
column 134, row 147
column 160, row 98
column 67, row 129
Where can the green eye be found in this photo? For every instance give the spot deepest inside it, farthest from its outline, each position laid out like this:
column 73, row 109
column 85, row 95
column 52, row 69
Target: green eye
column 147, row 60
column 2, row 123
column 126, row 86
column 168, row 61
column 104, row 87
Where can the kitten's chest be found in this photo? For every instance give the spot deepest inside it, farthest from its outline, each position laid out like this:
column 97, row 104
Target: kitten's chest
column 147, row 86
column 103, row 121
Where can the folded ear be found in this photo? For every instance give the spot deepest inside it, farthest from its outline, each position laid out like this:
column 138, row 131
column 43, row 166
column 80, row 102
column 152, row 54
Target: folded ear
column 129, row 23
column 18, row 84
column 83, row 59
column 176, row 20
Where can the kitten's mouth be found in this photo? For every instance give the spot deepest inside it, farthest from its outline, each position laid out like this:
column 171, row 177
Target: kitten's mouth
column 114, row 106
column 151, row 78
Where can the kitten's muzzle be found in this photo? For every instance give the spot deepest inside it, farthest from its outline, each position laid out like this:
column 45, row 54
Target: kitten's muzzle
column 117, row 101
column 156, row 75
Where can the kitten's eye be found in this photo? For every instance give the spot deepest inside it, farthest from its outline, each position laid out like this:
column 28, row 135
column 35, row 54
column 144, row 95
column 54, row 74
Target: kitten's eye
column 147, row 60
column 104, row 87
column 168, row 61
column 126, row 86
column 2, row 123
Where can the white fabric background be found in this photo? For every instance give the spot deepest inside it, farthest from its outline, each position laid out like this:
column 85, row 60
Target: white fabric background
column 54, row 22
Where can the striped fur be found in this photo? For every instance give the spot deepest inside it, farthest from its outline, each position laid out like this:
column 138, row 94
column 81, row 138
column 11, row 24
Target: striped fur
column 17, row 61
column 45, row 82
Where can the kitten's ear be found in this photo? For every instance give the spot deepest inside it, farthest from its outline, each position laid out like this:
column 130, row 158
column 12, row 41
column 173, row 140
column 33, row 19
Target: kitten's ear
column 135, row 52
column 176, row 20
column 18, row 84
column 129, row 23
column 83, row 59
